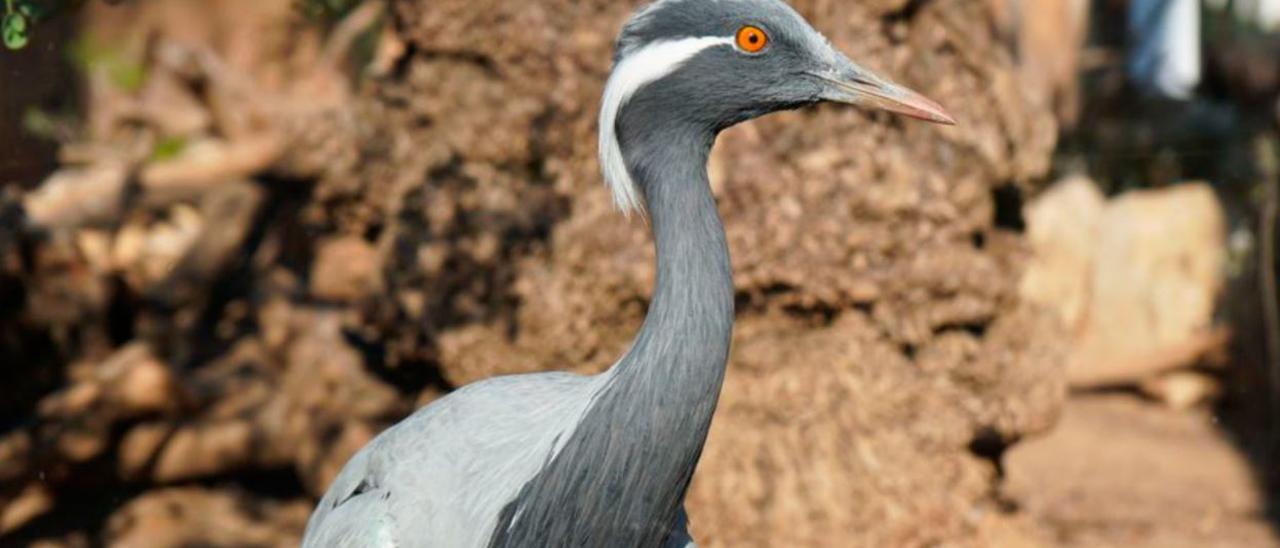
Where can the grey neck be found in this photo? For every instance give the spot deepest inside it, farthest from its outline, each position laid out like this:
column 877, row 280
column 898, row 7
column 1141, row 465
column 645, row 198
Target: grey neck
column 621, row 477
column 685, row 336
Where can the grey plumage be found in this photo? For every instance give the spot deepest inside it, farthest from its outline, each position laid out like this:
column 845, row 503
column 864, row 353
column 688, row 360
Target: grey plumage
column 620, row 479
column 556, row 459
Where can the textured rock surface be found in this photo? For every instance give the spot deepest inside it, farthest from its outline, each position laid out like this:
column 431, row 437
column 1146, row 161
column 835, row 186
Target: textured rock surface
column 1049, row 36
column 1062, row 230
column 442, row 221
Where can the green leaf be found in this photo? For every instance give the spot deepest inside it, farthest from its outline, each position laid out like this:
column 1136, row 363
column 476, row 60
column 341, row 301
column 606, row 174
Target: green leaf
column 168, row 149
column 15, row 30
column 39, row 123
column 129, row 76
column 91, row 55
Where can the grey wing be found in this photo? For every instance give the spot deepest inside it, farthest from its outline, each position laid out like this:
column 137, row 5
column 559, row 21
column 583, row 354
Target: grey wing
column 354, row 513
column 441, row 476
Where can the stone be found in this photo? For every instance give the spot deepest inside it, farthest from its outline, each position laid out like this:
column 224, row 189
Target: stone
column 1062, row 230
column 1156, row 276
column 345, row 270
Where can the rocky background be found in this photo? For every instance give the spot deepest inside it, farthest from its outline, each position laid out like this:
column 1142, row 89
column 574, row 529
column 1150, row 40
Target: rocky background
column 273, row 228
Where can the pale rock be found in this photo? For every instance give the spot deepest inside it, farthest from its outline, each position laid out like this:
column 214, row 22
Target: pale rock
column 76, row 197
column 1182, row 390
column 32, row 502
column 203, row 450
column 82, row 444
column 139, row 447
column 1062, row 228
column 1156, row 276
column 1135, row 279
column 73, row 401
column 346, row 269
column 95, row 247
column 136, row 382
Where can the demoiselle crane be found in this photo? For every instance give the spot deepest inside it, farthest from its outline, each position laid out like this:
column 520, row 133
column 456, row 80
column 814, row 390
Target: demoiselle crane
column 563, row 460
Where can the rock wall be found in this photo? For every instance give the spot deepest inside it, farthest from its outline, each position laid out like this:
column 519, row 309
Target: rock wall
column 316, row 249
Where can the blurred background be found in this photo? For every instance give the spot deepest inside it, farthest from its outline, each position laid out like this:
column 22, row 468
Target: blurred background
column 240, row 237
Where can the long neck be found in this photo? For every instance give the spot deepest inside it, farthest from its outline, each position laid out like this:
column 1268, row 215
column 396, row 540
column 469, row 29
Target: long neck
column 621, row 477
column 679, row 355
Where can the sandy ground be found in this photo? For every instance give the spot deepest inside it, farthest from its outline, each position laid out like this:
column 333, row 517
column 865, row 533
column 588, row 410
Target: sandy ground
column 1119, row 471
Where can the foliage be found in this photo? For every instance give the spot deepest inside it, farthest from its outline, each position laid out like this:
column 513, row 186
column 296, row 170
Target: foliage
column 327, row 10
column 91, row 55
column 20, row 17
column 16, row 25
column 168, row 148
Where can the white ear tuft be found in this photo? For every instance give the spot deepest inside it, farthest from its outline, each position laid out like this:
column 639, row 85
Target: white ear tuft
column 632, row 72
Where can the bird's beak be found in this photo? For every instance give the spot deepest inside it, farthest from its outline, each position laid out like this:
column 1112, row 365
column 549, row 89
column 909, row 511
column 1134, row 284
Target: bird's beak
column 856, row 86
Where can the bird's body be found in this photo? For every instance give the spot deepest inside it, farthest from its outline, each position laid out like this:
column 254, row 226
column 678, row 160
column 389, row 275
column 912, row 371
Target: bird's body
column 404, row 483
column 557, row 459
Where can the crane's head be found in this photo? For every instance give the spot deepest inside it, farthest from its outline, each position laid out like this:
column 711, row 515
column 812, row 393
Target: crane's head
column 710, row 64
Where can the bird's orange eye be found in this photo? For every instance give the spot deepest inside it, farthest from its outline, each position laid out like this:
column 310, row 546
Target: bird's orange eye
column 752, row 39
